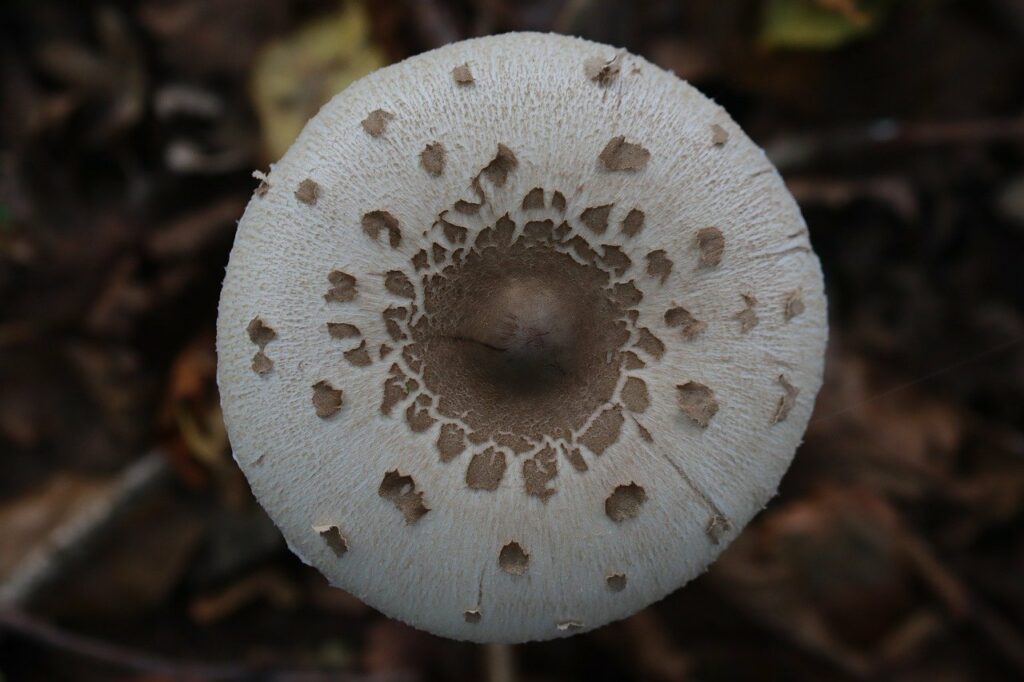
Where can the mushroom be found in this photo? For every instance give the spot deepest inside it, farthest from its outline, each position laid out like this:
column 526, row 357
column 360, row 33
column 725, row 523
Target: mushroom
column 537, row 360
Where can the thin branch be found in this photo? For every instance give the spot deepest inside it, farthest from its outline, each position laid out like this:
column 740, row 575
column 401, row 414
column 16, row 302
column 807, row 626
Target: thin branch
column 70, row 541
column 124, row 658
column 111, row 654
column 793, row 150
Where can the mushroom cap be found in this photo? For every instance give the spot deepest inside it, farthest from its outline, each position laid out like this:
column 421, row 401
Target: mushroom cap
column 517, row 337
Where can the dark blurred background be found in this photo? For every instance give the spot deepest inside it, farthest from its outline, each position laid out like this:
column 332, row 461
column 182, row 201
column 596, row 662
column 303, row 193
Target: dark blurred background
column 130, row 547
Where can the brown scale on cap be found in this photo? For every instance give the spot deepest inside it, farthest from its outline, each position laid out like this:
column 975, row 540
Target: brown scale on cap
column 642, row 430
column 392, row 322
column 604, row 431
column 413, row 356
column 534, row 199
column 486, row 470
column 417, row 415
column 308, row 192
column 747, row 317
column 633, row 223
column 432, row 158
column 359, row 356
column 513, row 559
column 649, row 343
column 634, row 395
column 462, row 75
column 718, row 525
column 711, row 245
column 786, row 401
column 582, row 248
column 619, row 155
column 342, row 330
column 574, row 457
column 264, row 186
column 697, row 402
column 602, row 71
column 451, row 441
column 343, row 287
column 397, row 388
column 538, row 471
column 631, row 360
column 400, row 490
column 659, row 265
column 456, row 234
column 327, row 400
column 615, row 259
column 562, row 231
column 499, row 168
column 260, row 334
column 261, row 364
column 793, row 305
column 626, row 294
column 466, row 207
column 333, row 538
column 596, row 218
column 399, row 284
column 558, row 201
column 377, row 223
column 688, row 325
column 719, row 135
column 624, row 503
column 616, row 582
column 376, row 122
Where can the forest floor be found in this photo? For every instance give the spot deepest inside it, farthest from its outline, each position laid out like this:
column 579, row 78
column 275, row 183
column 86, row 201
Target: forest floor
column 130, row 546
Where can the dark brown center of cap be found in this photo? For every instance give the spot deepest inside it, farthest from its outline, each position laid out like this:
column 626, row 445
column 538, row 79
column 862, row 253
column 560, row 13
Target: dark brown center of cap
column 520, row 338
column 530, row 326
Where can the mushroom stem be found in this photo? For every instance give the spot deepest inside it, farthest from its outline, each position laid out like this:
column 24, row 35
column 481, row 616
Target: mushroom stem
column 499, row 663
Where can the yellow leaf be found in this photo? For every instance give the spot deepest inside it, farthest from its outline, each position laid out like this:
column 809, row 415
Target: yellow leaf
column 293, row 77
column 820, row 24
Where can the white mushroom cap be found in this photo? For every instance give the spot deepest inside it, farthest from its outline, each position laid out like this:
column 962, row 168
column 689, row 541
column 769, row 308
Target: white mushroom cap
column 517, row 336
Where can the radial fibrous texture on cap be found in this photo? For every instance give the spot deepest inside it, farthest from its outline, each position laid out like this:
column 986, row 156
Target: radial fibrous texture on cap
column 517, row 337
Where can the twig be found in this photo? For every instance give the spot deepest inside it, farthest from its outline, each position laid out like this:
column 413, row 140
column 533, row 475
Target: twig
column 73, row 539
column 998, row 348
column 789, row 151
column 112, row 654
column 124, row 658
column 961, row 602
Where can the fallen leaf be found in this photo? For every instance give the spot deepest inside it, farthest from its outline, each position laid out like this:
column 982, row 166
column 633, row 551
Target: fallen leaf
column 295, row 76
column 819, row 24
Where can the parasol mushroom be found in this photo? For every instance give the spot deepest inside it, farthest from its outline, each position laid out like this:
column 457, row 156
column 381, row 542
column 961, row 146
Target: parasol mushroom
column 537, row 330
